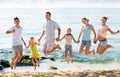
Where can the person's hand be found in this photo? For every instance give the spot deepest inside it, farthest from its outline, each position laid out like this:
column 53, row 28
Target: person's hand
column 13, row 31
column 78, row 41
column 118, row 31
column 57, row 39
column 95, row 41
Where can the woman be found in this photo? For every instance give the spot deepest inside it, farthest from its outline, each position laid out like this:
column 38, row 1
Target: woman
column 86, row 40
column 102, row 32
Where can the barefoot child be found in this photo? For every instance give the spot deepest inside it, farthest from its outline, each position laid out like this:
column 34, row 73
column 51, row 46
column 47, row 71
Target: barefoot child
column 68, row 44
column 17, row 46
column 102, row 32
column 34, row 52
column 86, row 39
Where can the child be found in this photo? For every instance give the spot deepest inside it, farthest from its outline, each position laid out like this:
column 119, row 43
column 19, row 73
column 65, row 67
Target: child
column 102, row 32
column 68, row 44
column 34, row 52
column 86, row 39
column 17, row 46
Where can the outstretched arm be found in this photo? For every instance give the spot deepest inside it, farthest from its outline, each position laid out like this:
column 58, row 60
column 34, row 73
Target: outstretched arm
column 28, row 45
column 59, row 32
column 43, row 33
column 75, row 40
column 37, row 43
column 80, row 33
column 8, row 32
column 23, row 41
column 62, row 38
column 112, row 32
column 92, row 27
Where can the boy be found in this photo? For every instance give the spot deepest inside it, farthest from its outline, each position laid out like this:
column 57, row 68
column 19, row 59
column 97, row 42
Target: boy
column 17, row 47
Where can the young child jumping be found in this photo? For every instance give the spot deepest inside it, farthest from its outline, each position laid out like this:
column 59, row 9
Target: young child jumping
column 68, row 44
column 34, row 52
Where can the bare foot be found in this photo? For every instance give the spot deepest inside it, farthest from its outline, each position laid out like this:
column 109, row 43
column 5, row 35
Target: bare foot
column 38, row 65
column 11, row 66
column 14, row 66
column 72, row 60
column 58, row 47
column 34, row 68
column 67, row 61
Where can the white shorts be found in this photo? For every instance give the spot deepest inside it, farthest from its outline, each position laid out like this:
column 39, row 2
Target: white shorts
column 48, row 45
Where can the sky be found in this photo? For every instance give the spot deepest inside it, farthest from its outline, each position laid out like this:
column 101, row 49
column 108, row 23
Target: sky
column 59, row 3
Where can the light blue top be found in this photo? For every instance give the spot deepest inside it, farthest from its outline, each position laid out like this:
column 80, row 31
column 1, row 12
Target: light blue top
column 86, row 33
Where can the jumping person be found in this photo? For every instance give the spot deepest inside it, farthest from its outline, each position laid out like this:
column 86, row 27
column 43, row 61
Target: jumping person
column 49, row 29
column 101, row 36
column 86, row 40
column 16, row 42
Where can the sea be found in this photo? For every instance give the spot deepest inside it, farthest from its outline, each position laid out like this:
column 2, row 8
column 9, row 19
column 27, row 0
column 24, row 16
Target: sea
column 33, row 19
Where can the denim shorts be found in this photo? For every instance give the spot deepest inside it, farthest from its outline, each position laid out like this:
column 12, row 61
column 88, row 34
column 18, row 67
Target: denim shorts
column 103, row 42
column 68, row 48
column 86, row 43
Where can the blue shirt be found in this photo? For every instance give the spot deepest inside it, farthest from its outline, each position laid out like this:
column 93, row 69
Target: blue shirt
column 86, row 33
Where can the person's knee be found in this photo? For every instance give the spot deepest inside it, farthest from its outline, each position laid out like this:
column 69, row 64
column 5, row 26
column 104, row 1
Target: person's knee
column 87, row 52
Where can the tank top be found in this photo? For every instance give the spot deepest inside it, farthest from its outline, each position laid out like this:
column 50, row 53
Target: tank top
column 86, row 33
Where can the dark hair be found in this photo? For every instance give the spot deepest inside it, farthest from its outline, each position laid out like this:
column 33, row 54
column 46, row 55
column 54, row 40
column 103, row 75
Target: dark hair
column 85, row 19
column 31, row 37
column 16, row 18
column 105, row 18
column 48, row 13
column 69, row 29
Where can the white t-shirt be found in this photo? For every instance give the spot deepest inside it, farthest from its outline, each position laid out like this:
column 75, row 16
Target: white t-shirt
column 68, row 39
column 49, row 28
column 16, row 40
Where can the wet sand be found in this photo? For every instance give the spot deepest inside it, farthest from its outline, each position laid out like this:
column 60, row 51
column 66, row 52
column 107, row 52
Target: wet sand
column 86, row 73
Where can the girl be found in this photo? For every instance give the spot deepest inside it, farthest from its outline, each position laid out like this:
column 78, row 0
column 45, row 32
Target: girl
column 68, row 44
column 34, row 52
column 86, row 40
column 101, row 36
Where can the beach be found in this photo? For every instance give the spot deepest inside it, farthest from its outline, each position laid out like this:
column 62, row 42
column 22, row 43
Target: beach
column 65, row 70
column 87, row 73
column 32, row 21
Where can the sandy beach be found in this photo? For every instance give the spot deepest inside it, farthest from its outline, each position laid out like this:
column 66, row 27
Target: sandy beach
column 86, row 73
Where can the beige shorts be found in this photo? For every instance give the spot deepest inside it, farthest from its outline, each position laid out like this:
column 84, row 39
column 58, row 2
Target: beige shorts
column 18, row 48
column 48, row 45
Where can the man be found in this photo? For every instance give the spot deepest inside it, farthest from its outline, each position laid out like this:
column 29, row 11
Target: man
column 49, row 29
column 17, row 42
